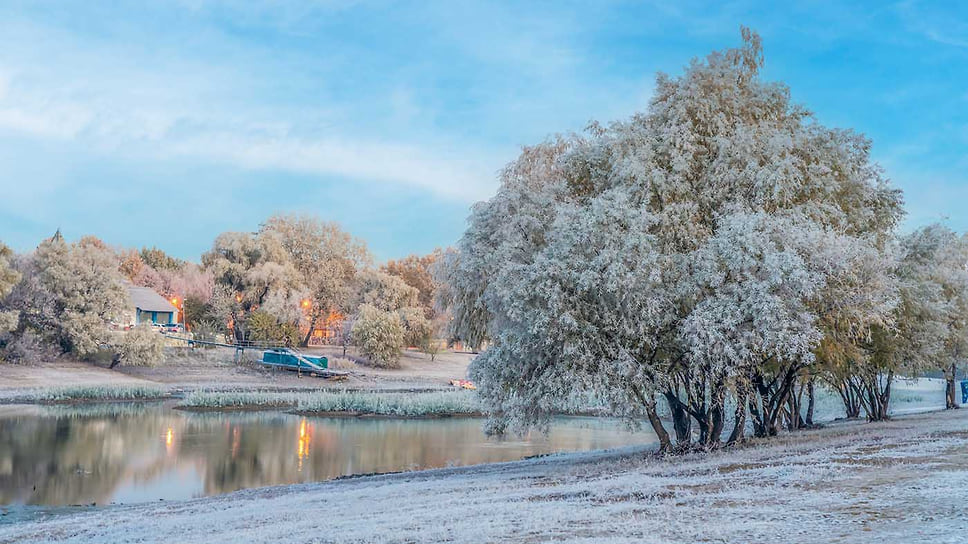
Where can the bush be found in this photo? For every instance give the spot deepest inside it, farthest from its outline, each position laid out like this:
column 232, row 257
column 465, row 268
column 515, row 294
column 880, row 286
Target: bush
column 141, row 346
column 28, row 348
column 379, row 335
column 417, row 328
column 208, row 330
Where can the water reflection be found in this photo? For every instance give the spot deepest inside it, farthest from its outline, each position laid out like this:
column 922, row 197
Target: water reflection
column 134, row 453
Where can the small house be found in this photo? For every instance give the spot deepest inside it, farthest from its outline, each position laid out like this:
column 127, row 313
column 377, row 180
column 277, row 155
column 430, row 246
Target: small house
column 147, row 306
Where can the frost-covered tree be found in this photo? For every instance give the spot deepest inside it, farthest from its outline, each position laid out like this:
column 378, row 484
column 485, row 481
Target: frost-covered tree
column 417, row 272
column 8, row 279
column 327, row 260
column 382, row 292
column 379, row 334
column 670, row 260
column 250, row 271
column 70, row 294
column 386, row 292
column 932, row 320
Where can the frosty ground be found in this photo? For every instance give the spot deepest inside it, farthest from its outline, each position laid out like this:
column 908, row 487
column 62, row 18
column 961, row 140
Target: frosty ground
column 214, row 369
column 904, row 480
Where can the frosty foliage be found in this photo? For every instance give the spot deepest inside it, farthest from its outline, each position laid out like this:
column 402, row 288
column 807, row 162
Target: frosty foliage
column 687, row 253
column 8, row 278
column 141, row 346
column 379, row 334
column 327, row 261
column 70, row 294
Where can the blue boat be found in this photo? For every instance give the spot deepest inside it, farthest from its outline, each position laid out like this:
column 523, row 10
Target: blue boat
column 293, row 360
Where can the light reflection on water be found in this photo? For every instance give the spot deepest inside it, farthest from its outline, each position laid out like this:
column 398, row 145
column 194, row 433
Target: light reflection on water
column 125, row 453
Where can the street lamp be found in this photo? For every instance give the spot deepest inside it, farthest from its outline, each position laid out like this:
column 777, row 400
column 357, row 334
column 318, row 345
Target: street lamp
column 174, row 302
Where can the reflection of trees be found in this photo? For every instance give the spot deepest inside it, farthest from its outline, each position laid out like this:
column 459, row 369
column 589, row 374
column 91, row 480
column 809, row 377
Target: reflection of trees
column 62, row 456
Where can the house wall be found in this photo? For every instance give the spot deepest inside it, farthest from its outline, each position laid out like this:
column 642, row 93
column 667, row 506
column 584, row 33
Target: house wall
column 142, row 316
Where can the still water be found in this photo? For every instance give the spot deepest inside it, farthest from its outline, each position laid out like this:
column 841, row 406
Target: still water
column 128, row 453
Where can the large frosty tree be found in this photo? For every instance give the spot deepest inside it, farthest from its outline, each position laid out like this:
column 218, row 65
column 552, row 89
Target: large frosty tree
column 70, row 294
column 327, row 260
column 670, row 260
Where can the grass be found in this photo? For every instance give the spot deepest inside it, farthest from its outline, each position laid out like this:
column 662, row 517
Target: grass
column 423, row 404
column 94, row 393
column 239, row 399
column 393, row 404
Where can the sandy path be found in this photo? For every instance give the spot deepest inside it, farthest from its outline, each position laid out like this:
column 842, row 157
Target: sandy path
column 216, row 370
column 900, row 481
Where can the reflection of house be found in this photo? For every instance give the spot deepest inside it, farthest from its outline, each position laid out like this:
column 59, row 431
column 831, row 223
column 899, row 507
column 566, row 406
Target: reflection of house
column 147, row 306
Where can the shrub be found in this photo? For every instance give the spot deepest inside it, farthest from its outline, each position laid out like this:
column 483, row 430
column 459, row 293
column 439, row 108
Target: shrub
column 28, row 348
column 141, row 346
column 379, row 335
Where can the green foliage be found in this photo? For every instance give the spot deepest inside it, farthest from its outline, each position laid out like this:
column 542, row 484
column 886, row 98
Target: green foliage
column 380, row 335
column 264, row 327
column 197, row 310
column 159, row 260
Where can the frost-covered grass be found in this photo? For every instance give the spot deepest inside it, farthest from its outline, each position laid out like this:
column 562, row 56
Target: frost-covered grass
column 900, row 481
column 393, row 404
column 93, row 393
column 396, row 404
column 240, row 399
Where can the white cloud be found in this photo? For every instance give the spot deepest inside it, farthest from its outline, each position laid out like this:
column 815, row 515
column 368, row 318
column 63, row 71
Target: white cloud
column 129, row 113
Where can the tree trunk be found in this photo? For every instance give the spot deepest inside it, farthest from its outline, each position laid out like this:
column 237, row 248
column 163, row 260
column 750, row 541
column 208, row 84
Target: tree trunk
column 739, row 417
column 876, row 398
column 665, row 444
column 848, row 394
column 811, row 402
column 773, row 398
column 680, row 419
column 309, row 333
column 950, row 398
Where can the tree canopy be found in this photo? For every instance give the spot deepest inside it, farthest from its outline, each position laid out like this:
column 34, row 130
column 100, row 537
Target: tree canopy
column 684, row 254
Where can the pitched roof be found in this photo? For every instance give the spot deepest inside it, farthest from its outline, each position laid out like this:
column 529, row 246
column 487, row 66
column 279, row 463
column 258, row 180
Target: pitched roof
column 148, row 300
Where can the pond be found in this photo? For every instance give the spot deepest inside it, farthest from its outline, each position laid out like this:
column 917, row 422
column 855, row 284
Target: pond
column 128, row 453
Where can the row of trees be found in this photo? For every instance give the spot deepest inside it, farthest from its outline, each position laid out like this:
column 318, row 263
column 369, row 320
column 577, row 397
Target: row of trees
column 61, row 299
column 279, row 284
column 710, row 258
column 298, row 273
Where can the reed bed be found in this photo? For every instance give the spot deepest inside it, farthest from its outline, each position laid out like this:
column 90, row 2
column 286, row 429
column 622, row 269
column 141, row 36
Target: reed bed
column 396, row 404
column 94, row 393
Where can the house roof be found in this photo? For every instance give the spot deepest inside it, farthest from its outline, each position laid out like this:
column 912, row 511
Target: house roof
column 146, row 299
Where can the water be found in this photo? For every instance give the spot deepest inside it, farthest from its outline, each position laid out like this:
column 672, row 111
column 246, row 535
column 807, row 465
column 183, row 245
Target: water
column 128, row 453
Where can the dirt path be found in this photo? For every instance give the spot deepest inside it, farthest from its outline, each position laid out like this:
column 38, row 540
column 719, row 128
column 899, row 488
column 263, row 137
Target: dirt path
column 216, row 369
column 900, row 481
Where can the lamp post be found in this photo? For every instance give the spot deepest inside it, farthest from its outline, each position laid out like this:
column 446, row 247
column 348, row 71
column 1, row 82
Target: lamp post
column 181, row 308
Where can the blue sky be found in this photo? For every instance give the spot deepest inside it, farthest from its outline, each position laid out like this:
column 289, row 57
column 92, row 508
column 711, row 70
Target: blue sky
column 166, row 123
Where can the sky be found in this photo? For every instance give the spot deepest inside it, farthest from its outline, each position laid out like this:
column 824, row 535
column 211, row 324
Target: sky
column 166, row 123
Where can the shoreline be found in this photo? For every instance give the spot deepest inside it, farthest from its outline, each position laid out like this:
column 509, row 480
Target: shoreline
column 621, row 494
